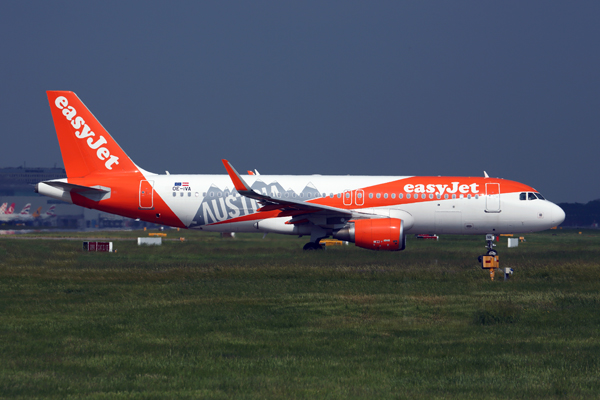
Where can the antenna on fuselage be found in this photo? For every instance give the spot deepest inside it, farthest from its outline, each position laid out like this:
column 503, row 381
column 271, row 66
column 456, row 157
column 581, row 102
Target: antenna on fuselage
column 485, row 174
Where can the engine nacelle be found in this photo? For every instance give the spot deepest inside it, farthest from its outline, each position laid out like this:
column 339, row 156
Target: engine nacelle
column 375, row 234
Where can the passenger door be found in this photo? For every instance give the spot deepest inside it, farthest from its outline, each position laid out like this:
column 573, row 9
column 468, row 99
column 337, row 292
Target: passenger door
column 492, row 197
column 146, row 195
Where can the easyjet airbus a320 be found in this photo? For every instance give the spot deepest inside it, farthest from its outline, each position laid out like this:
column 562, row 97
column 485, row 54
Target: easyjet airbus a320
column 374, row 212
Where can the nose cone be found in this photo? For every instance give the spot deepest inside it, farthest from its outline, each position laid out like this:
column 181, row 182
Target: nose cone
column 558, row 215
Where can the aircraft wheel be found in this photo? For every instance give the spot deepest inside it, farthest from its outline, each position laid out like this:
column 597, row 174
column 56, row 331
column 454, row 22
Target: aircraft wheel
column 312, row 246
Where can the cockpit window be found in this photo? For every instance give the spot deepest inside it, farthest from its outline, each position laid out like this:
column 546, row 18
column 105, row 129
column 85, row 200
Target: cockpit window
column 523, row 196
column 539, row 196
column 531, row 196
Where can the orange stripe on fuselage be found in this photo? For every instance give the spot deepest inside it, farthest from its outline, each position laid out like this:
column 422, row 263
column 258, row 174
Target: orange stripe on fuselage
column 439, row 185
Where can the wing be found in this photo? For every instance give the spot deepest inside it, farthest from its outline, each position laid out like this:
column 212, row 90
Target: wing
column 269, row 203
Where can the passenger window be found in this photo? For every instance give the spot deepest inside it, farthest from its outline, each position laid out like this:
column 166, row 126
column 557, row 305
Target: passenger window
column 446, row 196
column 339, row 195
column 385, row 196
column 189, row 194
column 181, row 194
column 476, row 196
column 174, row 194
column 378, row 195
column 469, row 197
column 347, row 195
column 523, row 196
column 359, row 195
column 370, row 195
column 408, row 195
column 431, row 196
column 453, row 196
column 531, row 196
column 393, row 195
column 331, row 195
column 423, row 196
column 439, row 196
column 400, row 195
column 212, row 194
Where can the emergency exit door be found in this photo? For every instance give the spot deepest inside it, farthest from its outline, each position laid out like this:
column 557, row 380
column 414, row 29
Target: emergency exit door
column 146, row 195
column 347, row 197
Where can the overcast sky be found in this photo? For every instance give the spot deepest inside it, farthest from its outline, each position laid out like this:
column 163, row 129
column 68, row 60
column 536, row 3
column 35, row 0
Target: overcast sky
column 370, row 87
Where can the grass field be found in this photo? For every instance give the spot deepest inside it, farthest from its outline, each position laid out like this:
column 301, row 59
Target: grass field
column 254, row 318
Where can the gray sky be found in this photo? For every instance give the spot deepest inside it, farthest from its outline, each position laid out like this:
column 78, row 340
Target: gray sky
column 371, row 87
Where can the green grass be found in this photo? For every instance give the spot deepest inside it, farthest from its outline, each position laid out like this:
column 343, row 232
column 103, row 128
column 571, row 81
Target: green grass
column 254, row 318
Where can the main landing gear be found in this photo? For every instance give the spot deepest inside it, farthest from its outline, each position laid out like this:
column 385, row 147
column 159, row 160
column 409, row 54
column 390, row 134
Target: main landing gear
column 313, row 246
column 316, row 234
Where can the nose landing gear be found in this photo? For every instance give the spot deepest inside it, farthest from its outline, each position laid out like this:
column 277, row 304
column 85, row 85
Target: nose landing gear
column 491, row 260
column 490, row 245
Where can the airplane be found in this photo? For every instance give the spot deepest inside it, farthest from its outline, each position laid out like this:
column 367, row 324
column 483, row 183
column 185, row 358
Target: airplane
column 3, row 208
column 23, row 215
column 33, row 216
column 48, row 214
column 374, row 212
column 9, row 210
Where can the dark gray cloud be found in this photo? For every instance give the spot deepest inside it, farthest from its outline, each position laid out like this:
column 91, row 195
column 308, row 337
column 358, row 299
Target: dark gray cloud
column 378, row 88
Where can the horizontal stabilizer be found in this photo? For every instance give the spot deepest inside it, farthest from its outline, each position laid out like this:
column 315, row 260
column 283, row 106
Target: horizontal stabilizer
column 94, row 193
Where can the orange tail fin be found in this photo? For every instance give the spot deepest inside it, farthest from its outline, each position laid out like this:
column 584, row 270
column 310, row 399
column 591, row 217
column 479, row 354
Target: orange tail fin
column 86, row 147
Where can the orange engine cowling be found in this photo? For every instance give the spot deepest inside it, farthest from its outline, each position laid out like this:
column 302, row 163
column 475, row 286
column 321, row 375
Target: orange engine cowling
column 375, row 234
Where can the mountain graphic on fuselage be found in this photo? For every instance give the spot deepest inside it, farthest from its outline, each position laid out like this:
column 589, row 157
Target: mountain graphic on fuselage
column 220, row 205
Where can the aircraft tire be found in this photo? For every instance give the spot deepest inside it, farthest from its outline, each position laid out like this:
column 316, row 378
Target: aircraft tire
column 312, row 246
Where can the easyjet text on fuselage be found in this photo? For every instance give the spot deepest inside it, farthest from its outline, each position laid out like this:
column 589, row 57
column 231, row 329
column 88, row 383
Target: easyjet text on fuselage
column 454, row 187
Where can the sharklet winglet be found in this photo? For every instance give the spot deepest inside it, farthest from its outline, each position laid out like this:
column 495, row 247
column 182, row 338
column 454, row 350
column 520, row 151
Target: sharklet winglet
column 239, row 184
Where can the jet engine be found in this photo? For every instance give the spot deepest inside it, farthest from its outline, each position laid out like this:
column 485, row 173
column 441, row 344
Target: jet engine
column 375, row 234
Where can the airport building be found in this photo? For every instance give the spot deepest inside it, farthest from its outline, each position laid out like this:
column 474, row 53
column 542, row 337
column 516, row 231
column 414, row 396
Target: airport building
column 17, row 185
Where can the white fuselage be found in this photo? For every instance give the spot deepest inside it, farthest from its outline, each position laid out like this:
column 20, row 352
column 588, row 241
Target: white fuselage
column 209, row 201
